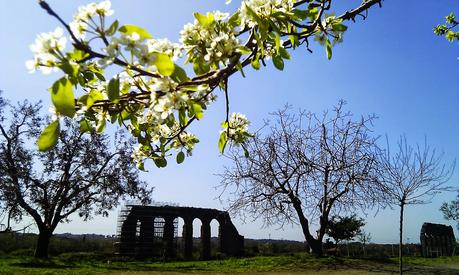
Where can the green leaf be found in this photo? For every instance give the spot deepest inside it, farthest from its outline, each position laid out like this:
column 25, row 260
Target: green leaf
column 69, row 69
column 130, row 29
column 235, row 19
column 93, row 96
column 160, row 162
column 256, row 64
column 62, row 97
column 112, row 29
column 200, row 66
column 180, row 157
column 113, row 89
column 278, row 62
column 277, row 39
column 222, row 142
column 243, row 50
column 339, row 27
column 48, row 138
column 246, row 152
column 101, row 126
column 253, row 14
column 183, row 119
column 85, row 126
column 197, row 109
column 204, row 20
column 164, row 64
column 284, row 53
column 328, row 49
column 179, row 74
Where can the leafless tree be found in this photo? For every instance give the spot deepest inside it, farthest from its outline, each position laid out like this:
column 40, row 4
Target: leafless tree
column 364, row 238
column 85, row 174
column 411, row 175
column 304, row 169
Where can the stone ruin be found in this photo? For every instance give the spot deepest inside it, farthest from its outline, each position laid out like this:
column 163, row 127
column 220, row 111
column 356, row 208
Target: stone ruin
column 437, row 240
column 151, row 231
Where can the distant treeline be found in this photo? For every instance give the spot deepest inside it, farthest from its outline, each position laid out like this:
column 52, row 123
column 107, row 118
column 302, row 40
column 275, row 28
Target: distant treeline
column 18, row 244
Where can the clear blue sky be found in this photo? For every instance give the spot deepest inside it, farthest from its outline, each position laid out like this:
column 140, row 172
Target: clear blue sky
column 391, row 65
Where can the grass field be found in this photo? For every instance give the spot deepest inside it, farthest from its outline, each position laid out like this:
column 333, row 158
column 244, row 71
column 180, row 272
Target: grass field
column 291, row 264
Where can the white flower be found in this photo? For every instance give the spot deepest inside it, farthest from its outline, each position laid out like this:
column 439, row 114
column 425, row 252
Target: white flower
column 49, row 43
column 138, row 155
column 238, row 120
column 78, row 29
column 103, row 8
column 264, row 9
column 215, row 43
column 47, row 51
column 174, row 50
column 54, row 114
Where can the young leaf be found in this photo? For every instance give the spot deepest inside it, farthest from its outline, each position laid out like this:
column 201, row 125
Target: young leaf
column 62, row 97
column 130, row 29
column 164, row 64
column 256, row 64
column 112, row 29
column 113, row 89
column 180, row 157
column 48, row 138
column 204, row 20
column 278, row 62
column 197, row 109
column 328, row 48
column 179, row 74
column 85, row 126
column 160, row 162
column 222, row 142
column 93, row 96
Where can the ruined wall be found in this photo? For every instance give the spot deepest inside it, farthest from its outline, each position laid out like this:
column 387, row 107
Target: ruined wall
column 151, row 231
column 437, row 240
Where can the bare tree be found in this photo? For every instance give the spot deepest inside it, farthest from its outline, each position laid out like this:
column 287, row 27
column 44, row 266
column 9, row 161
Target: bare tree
column 306, row 168
column 411, row 176
column 364, row 238
column 450, row 210
column 84, row 174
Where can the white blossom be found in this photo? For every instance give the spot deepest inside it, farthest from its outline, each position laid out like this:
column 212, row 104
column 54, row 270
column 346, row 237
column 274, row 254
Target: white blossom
column 47, row 51
column 264, row 9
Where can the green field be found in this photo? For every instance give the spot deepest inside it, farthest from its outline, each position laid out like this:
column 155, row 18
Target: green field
column 87, row 263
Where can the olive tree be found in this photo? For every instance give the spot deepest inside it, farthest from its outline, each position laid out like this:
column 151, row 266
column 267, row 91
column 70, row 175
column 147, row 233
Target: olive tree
column 304, row 169
column 86, row 174
column 344, row 228
column 122, row 74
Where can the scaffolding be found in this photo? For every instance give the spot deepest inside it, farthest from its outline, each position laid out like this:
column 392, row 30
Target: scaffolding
column 142, row 235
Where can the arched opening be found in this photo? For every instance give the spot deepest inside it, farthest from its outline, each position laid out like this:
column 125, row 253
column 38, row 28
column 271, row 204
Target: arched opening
column 179, row 237
column 197, row 244
column 158, row 233
column 215, row 239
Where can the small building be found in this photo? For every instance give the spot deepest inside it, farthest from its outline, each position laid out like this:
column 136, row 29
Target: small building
column 437, row 240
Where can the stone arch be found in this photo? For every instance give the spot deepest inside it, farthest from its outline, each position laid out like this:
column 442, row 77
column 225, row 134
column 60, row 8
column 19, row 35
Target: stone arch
column 215, row 248
column 160, row 224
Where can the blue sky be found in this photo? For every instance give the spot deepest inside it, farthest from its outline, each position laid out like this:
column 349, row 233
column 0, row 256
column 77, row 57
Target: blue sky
column 390, row 64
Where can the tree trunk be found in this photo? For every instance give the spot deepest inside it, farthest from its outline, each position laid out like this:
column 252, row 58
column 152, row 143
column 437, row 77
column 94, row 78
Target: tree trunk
column 314, row 244
column 400, row 244
column 41, row 251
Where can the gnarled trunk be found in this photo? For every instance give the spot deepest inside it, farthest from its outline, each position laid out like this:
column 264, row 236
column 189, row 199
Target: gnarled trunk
column 314, row 244
column 41, row 251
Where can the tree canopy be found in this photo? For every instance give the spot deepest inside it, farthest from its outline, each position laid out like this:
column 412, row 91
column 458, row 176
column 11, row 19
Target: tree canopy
column 83, row 174
column 305, row 169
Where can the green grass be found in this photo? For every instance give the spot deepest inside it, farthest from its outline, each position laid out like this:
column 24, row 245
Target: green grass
column 87, row 263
